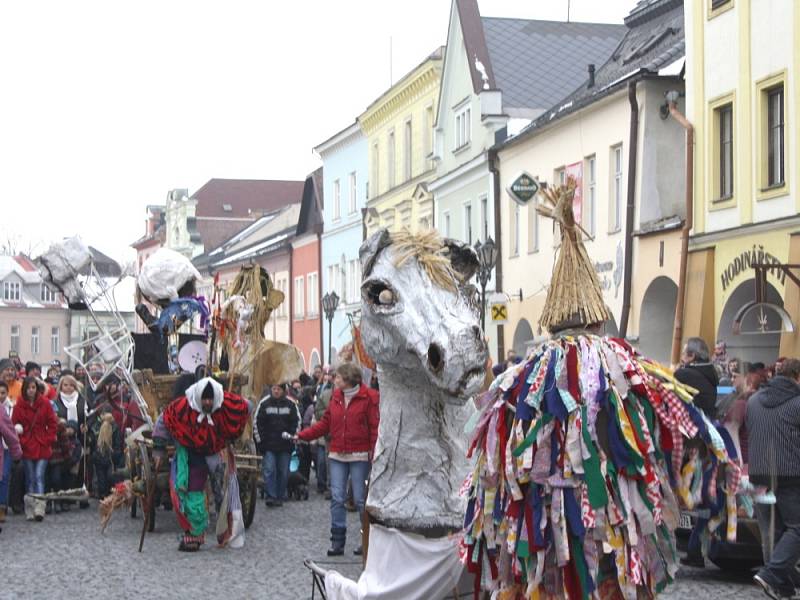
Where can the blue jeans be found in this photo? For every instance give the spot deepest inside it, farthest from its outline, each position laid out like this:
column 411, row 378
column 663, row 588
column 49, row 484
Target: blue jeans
column 34, row 475
column 322, row 468
column 786, row 554
column 358, row 472
column 275, row 469
column 5, row 477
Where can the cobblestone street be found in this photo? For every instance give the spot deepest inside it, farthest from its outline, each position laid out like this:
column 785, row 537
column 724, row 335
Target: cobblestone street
column 67, row 557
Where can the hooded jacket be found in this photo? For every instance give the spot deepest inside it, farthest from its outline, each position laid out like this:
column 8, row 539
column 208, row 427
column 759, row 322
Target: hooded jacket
column 274, row 417
column 702, row 377
column 9, row 437
column 39, row 426
column 773, row 426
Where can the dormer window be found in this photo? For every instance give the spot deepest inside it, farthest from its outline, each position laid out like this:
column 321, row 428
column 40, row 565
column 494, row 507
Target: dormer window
column 46, row 295
column 227, row 207
column 11, row 291
column 463, row 125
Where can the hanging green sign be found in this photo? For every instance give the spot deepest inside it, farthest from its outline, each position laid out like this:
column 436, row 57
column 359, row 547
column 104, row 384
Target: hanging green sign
column 523, row 188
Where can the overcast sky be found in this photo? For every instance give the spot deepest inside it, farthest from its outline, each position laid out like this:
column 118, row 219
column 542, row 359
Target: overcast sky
column 107, row 105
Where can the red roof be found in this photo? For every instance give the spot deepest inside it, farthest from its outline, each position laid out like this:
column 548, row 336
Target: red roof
column 24, row 262
column 243, row 197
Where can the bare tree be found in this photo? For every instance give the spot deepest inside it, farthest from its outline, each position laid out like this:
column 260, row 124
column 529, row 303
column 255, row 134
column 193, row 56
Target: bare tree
column 12, row 244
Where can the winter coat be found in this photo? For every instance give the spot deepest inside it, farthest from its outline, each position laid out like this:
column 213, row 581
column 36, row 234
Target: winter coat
column 61, row 410
column 274, row 416
column 64, row 447
column 702, row 377
column 126, row 411
column 39, row 428
column 117, row 456
column 9, row 436
column 353, row 428
column 773, row 429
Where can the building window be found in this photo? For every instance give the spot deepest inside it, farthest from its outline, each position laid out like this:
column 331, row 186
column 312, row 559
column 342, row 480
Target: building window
column 353, row 281
column 775, row 129
column 717, row 4
column 376, row 171
column 34, row 340
column 590, row 195
column 55, row 341
column 615, row 206
column 515, row 230
column 280, row 284
column 342, row 291
column 15, row 335
column 337, row 200
column 447, row 224
column 533, row 229
column 313, row 294
column 407, row 151
column 47, row 295
column 463, row 126
column 725, row 143
column 390, row 154
column 299, row 298
column 484, row 218
column 11, row 291
column 429, row 136
column 353, row 193
column 468, row 223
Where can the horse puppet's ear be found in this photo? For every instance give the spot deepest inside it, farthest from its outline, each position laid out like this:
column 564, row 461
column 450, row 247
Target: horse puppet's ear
column 462, row 258
column 371, row 248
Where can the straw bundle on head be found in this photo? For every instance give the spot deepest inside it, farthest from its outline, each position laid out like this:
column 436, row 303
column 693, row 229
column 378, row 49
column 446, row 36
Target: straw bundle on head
column 574, row 298
column 431, row 254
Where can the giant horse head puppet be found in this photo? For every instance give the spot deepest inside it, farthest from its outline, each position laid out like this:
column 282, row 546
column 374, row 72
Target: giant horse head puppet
column 420, row 326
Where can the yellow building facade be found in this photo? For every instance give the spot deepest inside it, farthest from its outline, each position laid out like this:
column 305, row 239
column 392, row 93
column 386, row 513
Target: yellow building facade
column 399, row 131
column 743, row 90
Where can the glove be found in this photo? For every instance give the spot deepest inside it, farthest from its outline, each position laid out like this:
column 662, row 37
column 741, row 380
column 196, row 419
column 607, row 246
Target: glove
column 18, row 429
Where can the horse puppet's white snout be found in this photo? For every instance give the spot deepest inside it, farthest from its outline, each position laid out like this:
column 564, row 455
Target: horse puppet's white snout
column 457, row 366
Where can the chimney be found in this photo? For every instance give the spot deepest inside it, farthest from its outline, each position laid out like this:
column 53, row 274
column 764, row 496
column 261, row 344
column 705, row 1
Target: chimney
column 591, row 75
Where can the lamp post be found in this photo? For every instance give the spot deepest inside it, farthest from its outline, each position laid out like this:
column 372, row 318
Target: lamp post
column 487, row 256
column 329, row 303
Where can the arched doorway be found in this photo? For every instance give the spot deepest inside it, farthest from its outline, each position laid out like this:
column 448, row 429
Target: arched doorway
column 523, row 337
column 749, row 346
column 314, row 361
column 657, row 319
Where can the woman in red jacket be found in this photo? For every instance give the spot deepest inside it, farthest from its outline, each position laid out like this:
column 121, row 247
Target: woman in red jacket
column 351, row 420
column 36, row 425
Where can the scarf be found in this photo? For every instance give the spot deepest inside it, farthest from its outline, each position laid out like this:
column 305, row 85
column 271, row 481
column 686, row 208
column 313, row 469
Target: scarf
column 70, row 401
column 194, row 396
column 349, row 394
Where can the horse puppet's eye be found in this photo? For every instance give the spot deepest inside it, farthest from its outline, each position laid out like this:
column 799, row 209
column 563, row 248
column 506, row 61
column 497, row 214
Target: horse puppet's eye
column 379, row 294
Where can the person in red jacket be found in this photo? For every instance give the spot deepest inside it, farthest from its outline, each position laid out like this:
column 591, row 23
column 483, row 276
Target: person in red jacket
column 351, row 420
column 36, row 425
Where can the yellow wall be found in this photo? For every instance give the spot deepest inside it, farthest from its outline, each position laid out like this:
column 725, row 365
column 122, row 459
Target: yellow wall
column 412, row 98
column 646, row 263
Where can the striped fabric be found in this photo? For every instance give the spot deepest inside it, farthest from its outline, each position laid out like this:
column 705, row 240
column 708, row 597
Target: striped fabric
column 773, row 427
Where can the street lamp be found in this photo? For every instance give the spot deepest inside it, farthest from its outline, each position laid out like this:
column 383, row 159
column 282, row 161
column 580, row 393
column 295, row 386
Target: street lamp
column 487, row 256
column 329, row 303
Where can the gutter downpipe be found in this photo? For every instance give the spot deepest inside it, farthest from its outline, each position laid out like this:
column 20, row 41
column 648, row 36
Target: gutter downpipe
column 492, row 159
column 687, row 227
column 630, row 209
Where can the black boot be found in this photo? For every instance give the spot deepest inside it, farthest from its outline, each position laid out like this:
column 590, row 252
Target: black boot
column 338, row 537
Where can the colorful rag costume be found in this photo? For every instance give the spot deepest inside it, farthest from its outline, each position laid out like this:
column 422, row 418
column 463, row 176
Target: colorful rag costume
column 579, row 458
column 200, row 447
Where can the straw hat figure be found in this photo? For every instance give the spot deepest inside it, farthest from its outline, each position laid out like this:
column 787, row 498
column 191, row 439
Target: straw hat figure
column 574, row 298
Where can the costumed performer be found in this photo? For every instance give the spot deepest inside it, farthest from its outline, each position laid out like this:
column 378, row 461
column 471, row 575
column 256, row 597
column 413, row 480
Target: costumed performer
column 201, row 424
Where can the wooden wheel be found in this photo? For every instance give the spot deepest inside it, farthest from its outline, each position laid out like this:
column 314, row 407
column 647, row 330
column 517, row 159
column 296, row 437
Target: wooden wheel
column 148, row 500
column 248, row 495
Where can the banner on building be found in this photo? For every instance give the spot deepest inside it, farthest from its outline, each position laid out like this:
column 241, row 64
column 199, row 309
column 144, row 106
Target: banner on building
column 576, row 170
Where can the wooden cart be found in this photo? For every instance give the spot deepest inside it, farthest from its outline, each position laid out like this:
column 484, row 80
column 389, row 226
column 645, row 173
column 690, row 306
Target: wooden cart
column 151, row 480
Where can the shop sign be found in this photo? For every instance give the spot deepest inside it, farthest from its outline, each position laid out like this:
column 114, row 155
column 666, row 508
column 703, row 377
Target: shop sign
column 609, row 273
column 523, row 188
column 499, row 312
column 744, row 262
